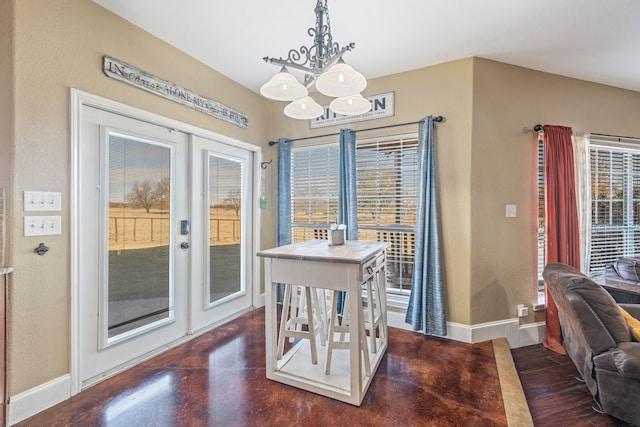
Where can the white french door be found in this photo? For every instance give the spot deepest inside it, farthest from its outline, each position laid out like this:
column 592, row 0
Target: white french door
column 164, row 238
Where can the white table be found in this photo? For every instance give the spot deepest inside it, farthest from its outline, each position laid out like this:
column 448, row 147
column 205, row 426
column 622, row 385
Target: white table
column 316, row 264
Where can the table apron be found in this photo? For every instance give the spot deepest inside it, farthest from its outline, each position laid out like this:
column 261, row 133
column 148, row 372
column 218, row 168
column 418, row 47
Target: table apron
column 336, row 276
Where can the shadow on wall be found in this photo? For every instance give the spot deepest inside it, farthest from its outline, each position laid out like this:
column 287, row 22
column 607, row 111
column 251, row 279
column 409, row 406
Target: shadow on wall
column 493, row 295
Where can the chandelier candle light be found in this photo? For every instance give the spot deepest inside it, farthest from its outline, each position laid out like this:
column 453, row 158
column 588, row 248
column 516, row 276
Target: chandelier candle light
column 323, row 65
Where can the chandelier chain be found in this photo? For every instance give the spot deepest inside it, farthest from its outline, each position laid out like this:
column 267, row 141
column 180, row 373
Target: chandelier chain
column 315, row 59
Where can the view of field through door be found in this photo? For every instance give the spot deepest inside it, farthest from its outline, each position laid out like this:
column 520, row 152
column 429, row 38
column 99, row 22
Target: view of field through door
column 139, row 229
column 224, row 174
column 165, row 237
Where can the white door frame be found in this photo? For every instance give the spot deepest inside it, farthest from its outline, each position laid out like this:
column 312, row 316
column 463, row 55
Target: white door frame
column 203, row 313
column 78, row 99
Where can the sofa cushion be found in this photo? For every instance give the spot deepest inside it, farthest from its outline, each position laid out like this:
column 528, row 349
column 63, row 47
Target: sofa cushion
column 628, row 268
column 632, row 323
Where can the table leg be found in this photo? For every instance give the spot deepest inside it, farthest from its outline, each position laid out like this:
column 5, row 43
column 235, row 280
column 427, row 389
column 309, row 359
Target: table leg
column 271, row 313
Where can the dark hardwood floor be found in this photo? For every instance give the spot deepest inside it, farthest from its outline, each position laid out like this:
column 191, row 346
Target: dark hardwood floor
column 218, row 379
column 554, row 395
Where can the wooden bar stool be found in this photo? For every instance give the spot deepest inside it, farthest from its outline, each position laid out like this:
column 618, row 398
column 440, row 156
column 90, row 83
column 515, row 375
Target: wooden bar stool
column 342, row 328
column 299, row 309
column 374, row 319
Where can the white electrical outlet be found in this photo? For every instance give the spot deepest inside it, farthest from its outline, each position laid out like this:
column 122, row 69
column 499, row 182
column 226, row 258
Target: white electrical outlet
column 511, row 211
column 523, row 310
column 42, row 225
column 41, row 201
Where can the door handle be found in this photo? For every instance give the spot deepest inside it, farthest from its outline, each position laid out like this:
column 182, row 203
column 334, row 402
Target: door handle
column 184, row 227
column 184, row 245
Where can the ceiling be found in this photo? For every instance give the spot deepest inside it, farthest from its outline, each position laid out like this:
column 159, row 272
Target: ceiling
column 594, row 40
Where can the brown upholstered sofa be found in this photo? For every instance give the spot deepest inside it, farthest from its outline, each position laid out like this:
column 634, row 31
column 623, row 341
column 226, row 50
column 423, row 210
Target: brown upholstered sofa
column 622, row 279
column 598, row 341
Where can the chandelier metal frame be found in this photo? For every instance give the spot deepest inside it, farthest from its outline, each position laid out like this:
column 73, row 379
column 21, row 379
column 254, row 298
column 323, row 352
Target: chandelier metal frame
column 315, row 59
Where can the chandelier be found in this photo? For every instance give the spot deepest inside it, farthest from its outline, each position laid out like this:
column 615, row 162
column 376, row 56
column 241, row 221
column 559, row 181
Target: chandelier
column 322, row 64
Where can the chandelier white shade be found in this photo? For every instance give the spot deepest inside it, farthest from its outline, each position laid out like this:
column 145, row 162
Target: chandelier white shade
column 340, row 80
column 304, row 109
column 283, row 87
column 351, row 105
column 322, row 63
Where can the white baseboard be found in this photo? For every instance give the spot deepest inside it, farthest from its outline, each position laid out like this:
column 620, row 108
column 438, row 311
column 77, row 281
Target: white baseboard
column 261, row 300
column 516, row 335
column 532, row 333
column 28, row 403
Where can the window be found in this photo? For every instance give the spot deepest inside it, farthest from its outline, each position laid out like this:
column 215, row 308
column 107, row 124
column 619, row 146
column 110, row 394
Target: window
column 314, row 191
column 541, row 222
column 386, row 186
column 387, row 202
column 615, row 204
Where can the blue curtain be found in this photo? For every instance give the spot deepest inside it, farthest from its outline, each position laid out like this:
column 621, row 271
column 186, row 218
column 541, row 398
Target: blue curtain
column 347, row 201
column 283, row 205
column 426, row 311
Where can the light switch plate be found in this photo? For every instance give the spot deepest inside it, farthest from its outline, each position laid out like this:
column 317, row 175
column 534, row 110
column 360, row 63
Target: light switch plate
column 42, row 201
column 511, row 211
column 42, row 225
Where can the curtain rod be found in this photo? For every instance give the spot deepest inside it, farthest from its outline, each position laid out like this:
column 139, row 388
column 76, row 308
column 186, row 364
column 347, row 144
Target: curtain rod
column 539, row 128
column 438, row 119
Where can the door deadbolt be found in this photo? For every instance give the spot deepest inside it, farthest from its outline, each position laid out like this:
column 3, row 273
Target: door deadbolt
column 184, row 245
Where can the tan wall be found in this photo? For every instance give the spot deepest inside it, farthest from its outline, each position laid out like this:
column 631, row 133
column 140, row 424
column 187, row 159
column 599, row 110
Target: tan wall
column 6, row 112
column 60, row 45
column 508, row 102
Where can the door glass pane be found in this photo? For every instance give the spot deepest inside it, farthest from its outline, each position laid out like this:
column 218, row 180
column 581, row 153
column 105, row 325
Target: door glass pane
column 139, row 275
column 225, row 213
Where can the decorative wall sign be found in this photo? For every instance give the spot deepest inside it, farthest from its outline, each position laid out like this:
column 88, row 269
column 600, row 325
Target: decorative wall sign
column 126, row 73
column 382, row 105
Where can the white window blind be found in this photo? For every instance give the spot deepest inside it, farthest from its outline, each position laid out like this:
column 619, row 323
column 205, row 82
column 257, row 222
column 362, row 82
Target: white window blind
column 314, row 191
column 387, row 202
column 615, row 204
column 541, row 212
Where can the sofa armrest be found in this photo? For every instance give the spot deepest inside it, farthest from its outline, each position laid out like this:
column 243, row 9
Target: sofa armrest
column 626, row 358
column 632, row 309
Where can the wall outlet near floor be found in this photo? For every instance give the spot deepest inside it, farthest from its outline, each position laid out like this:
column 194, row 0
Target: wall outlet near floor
column 523, row 311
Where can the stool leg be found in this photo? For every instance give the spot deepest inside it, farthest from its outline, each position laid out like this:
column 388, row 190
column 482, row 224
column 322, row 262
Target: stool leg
column 312, row 329
column 319, row 317
column 371, row 313
column 332, row 328
column 380, row 287
column 283, row 320
column 364, row 348
column 345, row 314
column 297, row 302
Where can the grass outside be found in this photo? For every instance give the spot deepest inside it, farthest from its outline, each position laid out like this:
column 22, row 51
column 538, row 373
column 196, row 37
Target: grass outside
column 139, row 263
column 144, row 273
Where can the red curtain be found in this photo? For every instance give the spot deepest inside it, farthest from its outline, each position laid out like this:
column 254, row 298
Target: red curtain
column 562, row 236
